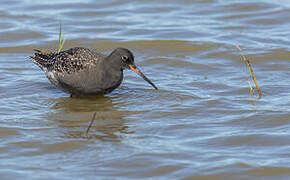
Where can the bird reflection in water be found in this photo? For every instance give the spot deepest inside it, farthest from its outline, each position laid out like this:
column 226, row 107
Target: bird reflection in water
column 75, row 114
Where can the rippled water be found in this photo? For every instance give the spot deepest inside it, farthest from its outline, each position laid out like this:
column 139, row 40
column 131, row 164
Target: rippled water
column 201, row 124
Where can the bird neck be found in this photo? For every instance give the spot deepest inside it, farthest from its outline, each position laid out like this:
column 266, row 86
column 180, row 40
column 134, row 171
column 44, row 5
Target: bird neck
column 113, row 62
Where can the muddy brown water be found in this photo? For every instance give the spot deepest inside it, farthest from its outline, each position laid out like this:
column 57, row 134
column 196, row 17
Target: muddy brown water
column 201, row 124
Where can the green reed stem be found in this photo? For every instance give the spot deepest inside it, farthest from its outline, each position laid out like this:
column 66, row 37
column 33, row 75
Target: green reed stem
column 61, row 40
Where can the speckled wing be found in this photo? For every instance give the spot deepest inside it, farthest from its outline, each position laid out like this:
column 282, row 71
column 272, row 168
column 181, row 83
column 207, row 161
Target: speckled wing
column 72, row 70
column 75, row 59
column 69, row 61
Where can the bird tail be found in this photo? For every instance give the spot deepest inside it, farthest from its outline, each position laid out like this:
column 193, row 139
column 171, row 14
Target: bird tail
column 42, row 58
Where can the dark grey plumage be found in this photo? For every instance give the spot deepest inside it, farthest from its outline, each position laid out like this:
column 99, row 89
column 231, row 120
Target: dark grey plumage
column 81, row 71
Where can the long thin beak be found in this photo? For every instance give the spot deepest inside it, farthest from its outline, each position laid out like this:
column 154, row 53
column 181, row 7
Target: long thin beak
column 136, row 70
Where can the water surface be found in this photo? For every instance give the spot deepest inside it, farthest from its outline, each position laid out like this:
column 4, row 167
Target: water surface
column 201, row 124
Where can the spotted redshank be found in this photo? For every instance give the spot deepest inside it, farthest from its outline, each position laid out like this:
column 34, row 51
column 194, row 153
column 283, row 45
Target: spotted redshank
column 83, row 72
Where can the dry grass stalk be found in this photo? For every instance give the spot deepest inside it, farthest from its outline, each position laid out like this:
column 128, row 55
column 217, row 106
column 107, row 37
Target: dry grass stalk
column 247, row 62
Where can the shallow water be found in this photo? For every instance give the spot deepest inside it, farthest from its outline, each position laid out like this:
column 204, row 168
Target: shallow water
column 201, row 124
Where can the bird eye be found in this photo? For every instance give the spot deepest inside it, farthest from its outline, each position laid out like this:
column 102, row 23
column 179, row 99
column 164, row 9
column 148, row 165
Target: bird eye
column 124, row 58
